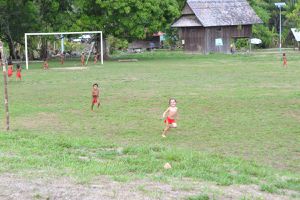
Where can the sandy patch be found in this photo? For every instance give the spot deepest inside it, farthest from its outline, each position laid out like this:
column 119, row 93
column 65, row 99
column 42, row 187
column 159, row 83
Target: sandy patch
column 15, row 187
column 69, row 68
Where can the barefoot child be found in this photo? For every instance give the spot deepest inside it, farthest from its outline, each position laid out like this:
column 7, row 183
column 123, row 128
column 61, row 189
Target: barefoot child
column 62, row 58
column 171, row 117
column 96, row 58
column 82, row 59
column 284, row 60
column 45, row 64
column 10, row 69
column 18, row 75
column 95, row 95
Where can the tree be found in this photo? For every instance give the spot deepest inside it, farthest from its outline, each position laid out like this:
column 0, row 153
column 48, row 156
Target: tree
column 16, row 18
column 294, row 16
column 127, row 19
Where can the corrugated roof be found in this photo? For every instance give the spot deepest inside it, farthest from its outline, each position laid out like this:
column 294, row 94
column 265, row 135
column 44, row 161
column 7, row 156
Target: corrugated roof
column 223, row 12
column 187, row 21
column 296, row 34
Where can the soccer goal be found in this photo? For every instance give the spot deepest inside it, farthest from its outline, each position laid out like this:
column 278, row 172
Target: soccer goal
column 63, row 46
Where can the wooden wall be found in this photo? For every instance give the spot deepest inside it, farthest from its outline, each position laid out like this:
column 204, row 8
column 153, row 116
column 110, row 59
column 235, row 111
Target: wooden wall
column 200, row 39
column 194, row 39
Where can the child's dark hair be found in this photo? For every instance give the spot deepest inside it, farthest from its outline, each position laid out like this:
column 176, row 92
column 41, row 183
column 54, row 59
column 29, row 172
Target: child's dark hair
column 95, row 84
column 171, row 100
column 18, row 66
column 283, row 54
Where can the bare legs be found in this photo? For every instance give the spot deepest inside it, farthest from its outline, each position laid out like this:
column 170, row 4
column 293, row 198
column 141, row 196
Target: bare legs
column 168, row 126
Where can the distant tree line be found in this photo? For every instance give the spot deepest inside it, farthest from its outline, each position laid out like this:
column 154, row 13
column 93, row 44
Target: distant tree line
column 122, row 19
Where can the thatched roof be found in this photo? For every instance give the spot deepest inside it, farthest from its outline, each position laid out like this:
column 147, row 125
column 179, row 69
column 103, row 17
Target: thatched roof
column 187, row 21
column 219, row 13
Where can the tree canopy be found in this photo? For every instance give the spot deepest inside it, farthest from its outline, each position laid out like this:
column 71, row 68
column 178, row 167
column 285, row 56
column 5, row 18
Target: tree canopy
column 124, row 19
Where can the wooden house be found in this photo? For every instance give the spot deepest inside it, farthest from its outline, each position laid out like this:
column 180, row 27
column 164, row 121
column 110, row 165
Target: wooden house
column 212, row 25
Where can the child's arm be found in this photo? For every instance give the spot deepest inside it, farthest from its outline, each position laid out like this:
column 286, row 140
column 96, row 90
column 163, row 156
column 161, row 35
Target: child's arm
column 164, row 114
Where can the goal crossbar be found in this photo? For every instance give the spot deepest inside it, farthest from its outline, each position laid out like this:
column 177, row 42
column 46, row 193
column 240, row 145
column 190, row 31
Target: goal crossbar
column 64, row 33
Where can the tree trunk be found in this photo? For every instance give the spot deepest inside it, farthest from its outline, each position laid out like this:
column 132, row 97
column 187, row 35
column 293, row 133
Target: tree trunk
column 44, row 49
column 12, row 50
column 105, row 49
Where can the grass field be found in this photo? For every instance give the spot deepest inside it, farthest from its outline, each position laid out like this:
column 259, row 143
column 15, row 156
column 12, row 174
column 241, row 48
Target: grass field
column 239, row 121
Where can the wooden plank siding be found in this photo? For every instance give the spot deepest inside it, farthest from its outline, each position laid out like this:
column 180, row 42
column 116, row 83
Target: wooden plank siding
column 202, row 40
column 194, row 39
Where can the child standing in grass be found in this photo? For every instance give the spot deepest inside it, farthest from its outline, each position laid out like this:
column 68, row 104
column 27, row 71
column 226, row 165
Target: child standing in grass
column 171, row 113
column 62, row 58
column 18, row 75
column 95, row 95
column 10, row 69
column 82, row 59
column 96, row 58
column 284, row 60
column 45, row 64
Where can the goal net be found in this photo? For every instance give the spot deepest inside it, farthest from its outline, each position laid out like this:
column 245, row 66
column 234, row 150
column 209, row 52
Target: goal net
column 63, row 49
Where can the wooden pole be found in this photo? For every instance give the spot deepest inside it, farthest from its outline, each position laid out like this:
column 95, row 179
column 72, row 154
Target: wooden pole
column 5, row 85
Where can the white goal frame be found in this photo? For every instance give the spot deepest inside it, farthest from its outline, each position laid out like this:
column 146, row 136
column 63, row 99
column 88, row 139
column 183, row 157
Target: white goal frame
column 64, row 33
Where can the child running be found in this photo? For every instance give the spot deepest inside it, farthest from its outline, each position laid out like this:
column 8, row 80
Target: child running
column 284, row 60
column 82, row 59
column 45, row 64
column 18, row 75
column 171, row 117
column 95, row 95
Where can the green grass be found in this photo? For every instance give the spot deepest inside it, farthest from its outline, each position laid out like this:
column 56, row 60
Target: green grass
column 239, row 120
column 199, row 197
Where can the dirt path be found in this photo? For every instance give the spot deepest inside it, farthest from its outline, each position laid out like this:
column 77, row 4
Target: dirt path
column 13, row 187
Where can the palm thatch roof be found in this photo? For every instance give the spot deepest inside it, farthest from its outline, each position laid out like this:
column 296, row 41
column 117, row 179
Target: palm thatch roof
column 217, row 13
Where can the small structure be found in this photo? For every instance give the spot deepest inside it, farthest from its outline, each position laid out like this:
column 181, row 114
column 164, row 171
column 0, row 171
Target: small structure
column 154, row 41
column 212, row 25
column 296, row 34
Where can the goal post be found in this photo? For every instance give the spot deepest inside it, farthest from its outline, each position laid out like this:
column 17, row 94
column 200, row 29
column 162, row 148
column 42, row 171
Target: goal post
column 63, row 33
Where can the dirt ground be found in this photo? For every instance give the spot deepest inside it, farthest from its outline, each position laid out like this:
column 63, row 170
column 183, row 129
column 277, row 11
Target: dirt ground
column 13, row 187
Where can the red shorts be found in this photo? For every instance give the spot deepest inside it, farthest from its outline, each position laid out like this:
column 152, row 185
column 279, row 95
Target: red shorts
column 169, row 120
column 19, row 74
column 285, row 62
column 9, row 72
column 95, row 100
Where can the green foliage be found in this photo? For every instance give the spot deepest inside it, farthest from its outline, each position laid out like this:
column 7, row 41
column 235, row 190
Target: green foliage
column 294, row 16
column 199, row 197
column 126, row 19
column 73, row 46
column 267, row 36
column 116, row 44
column 242, row 43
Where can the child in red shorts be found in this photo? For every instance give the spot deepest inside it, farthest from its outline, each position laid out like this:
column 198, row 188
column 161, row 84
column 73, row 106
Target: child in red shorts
column 171, row 117
column 284, row 60
column 95, row 95
column 10, row 70
column 18, row 75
